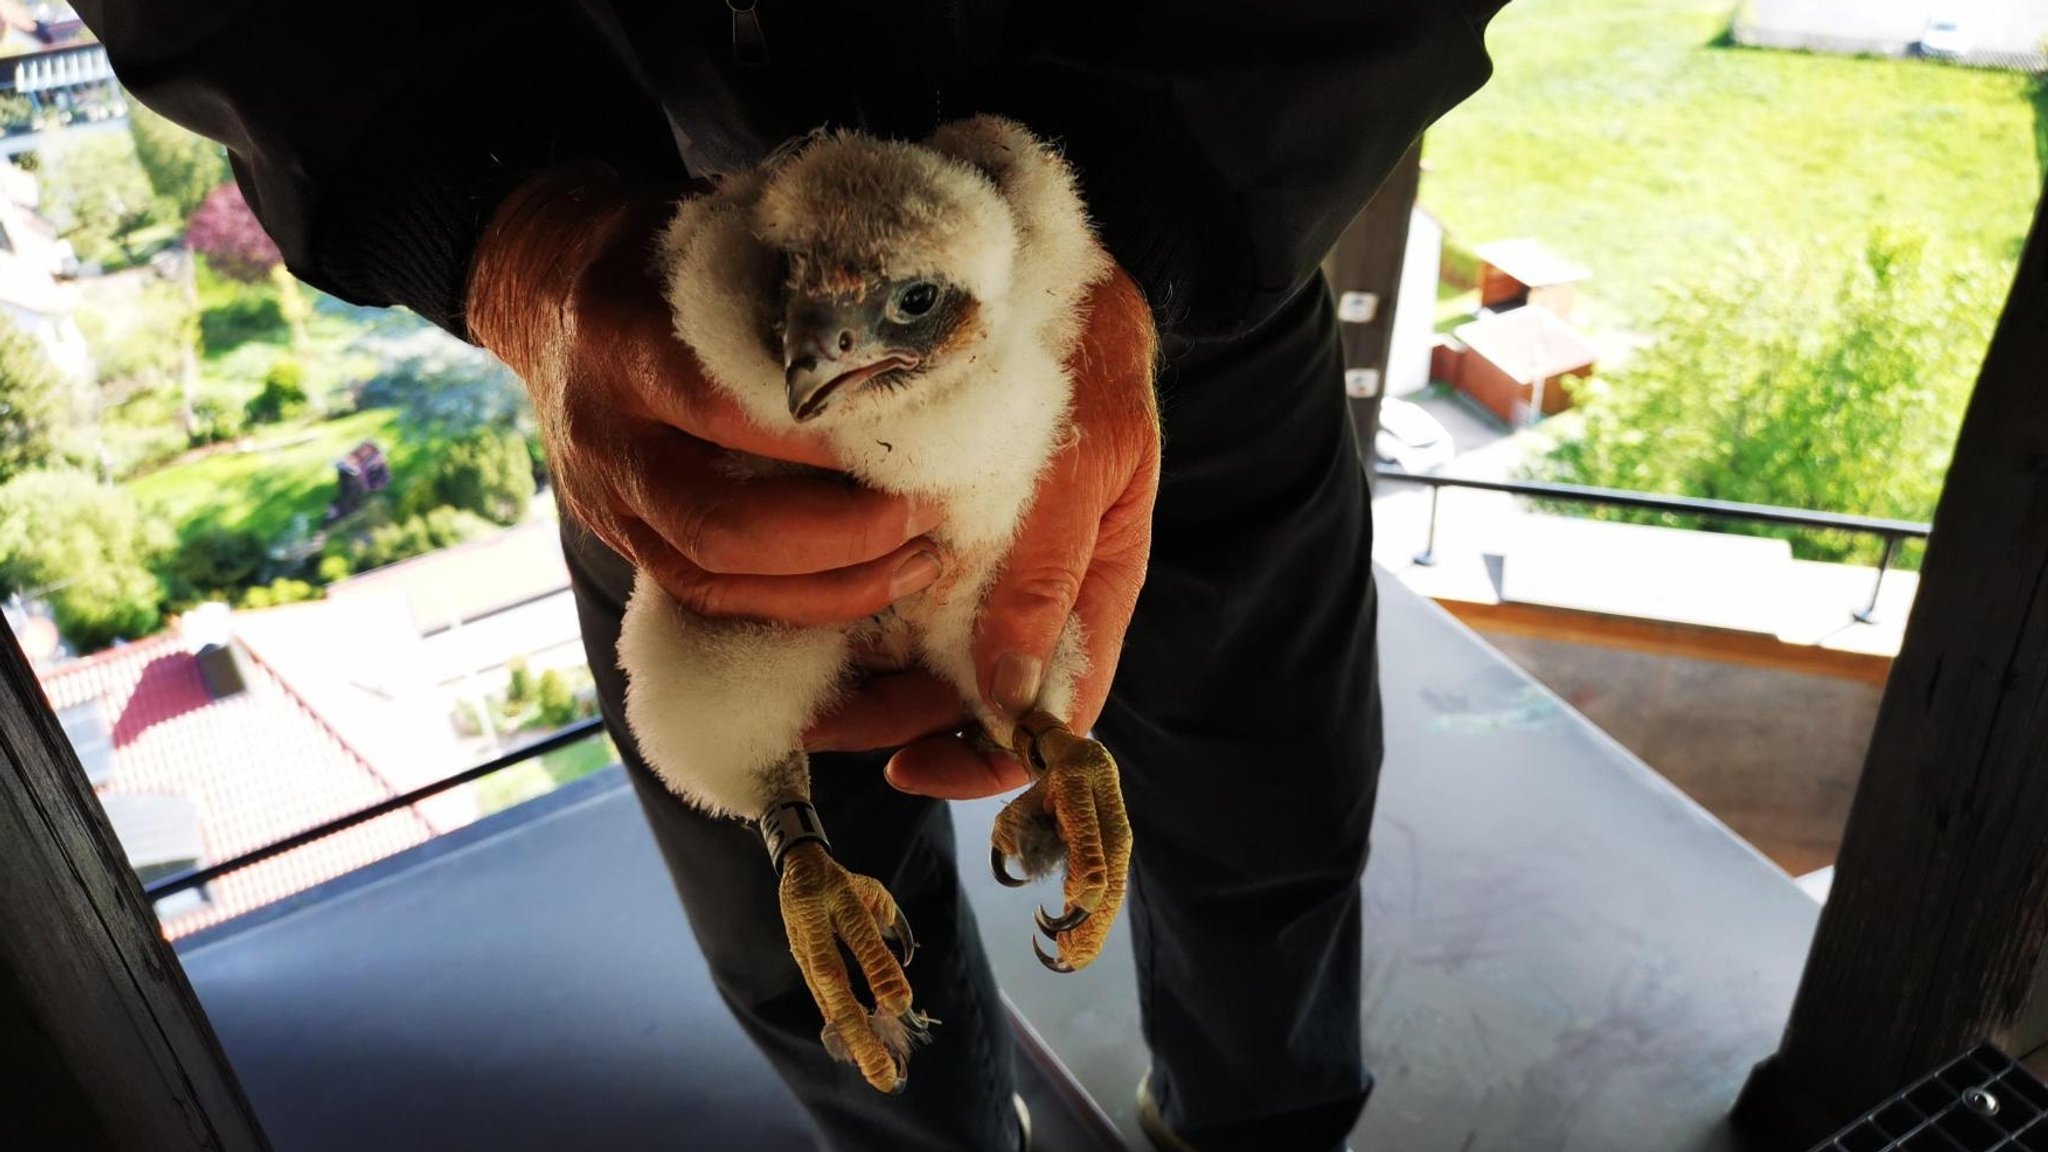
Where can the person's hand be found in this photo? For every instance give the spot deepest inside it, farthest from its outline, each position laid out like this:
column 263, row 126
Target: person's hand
column 562, row 290
column 1082, row 551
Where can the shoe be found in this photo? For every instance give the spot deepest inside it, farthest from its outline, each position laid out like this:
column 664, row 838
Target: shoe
column 1023, row 1121
column 1153, row 1124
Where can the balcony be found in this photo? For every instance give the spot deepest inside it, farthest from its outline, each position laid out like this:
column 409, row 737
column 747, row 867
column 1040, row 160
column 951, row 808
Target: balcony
column 1563, row 953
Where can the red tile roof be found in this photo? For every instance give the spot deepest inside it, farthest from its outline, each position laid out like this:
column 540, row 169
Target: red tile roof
column 258, row 765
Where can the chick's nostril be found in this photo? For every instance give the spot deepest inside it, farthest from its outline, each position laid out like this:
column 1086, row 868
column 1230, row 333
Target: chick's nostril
column 845, row 340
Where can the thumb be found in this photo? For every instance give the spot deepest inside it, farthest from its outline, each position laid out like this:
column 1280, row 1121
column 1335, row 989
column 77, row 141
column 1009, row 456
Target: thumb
column 1025, row 612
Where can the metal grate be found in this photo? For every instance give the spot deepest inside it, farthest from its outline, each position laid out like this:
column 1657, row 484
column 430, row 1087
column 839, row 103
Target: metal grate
column 1980, row 1102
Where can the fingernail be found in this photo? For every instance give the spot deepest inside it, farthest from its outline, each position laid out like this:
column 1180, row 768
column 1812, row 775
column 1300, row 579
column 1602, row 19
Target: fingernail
column 1017, row 677
column 916, row 574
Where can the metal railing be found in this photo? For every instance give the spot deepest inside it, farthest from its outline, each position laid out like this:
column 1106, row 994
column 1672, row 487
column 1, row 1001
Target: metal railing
column 194, row 877
column 1892, row 532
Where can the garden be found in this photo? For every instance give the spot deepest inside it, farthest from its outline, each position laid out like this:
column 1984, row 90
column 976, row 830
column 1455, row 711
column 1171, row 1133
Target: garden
column 1799, row 257
column 199, row 461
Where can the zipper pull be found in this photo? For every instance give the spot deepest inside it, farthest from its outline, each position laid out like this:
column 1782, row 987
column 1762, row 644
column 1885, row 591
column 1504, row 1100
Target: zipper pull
column 749, row 43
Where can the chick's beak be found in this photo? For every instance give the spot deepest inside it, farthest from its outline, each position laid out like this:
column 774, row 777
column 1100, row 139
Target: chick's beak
column 827, row 348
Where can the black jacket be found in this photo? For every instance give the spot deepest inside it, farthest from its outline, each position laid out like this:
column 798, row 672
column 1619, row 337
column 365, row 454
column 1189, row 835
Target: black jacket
column 1222, row 146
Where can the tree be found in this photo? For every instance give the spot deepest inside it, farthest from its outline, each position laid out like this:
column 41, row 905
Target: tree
column 181, row 167
column 146, row 344
column 84, row 548
column 212, row 562
column 416, row 536
column 283, row 395
column 35, row 406
column 94, row 192
column 226, row 232
column 1792, row 382
column 445, row 389
column 487, row 472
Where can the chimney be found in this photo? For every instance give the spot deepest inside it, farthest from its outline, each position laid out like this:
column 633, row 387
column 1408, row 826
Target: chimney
column 211, row 640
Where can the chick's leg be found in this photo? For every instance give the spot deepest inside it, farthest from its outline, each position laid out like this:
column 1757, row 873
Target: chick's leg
column 1073, row 812
column 825, row 906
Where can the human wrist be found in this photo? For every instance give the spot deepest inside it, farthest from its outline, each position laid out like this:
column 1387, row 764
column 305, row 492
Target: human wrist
column 543, row 237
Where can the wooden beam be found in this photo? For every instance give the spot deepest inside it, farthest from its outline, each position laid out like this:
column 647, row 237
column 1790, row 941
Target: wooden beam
column 1368, row 259
column 107, row 1046
column 1665, row 638
column 1935, row 928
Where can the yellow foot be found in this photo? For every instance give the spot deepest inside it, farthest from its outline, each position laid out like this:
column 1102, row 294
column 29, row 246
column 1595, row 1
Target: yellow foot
column 1075, row 813
column 824, row 905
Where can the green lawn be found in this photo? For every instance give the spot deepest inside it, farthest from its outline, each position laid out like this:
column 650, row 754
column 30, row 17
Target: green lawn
column 523, row 782
column 1626, row 135
column 288, row 471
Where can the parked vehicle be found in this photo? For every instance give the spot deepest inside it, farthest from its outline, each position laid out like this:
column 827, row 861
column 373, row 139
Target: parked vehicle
column 1945, row 37
column 1410, row 438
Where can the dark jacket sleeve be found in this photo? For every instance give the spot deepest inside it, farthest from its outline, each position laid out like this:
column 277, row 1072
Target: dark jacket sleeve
column 374, row 146
column 1224, row 146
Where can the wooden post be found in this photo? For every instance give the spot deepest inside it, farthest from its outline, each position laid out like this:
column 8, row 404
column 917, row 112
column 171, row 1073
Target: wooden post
column 106, row 1046
column 1934, row 932
column 1367, row 259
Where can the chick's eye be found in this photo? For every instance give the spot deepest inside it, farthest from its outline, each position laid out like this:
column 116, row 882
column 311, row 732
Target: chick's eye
column 917, row 299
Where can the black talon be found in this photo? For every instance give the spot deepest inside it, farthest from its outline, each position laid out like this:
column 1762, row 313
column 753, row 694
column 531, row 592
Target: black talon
column 900, row 936
column 1000, row 867
column 1054, row 963
column 1052, row 926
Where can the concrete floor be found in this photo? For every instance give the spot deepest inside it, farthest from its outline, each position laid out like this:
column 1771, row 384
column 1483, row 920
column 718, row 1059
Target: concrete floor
column 1774, row 753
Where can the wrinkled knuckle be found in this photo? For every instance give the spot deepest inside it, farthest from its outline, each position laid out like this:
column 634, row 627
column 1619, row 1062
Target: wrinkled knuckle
column 701, row 595
column 706, row 532
column 1050, row 586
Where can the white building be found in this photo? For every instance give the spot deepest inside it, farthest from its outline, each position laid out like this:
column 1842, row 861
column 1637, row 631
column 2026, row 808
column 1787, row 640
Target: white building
column 32, row 256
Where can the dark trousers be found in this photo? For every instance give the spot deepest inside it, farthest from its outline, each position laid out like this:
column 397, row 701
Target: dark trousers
column 1246, row 721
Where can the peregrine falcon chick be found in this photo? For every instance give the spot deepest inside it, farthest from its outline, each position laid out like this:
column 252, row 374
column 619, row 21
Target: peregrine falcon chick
column 917, row 304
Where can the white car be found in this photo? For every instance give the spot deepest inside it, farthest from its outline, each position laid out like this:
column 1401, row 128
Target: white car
column 1410, row 438
column 1944, row 36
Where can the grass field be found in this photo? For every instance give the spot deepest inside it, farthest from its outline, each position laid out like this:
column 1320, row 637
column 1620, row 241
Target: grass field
column 523, row 782
column 1627, row 135
column 286, row 471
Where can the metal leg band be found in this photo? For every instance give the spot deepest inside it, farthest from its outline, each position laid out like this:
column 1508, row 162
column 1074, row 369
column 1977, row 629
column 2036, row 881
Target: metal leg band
column 788, row 824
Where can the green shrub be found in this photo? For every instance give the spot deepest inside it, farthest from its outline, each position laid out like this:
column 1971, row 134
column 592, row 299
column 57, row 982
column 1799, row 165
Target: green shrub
column 232, row 313
column 555, row 701
column 87, row 550
column 283, row 395
column 181, row 167
column 215, row 421
column 487, row 472
column 518, row 683
column 418, row 535
column 17, row 113
column 1797, row 380
column 213, row 562
column 282, row 590
column 334, row 567
column 35, row 406
column 94, row 191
